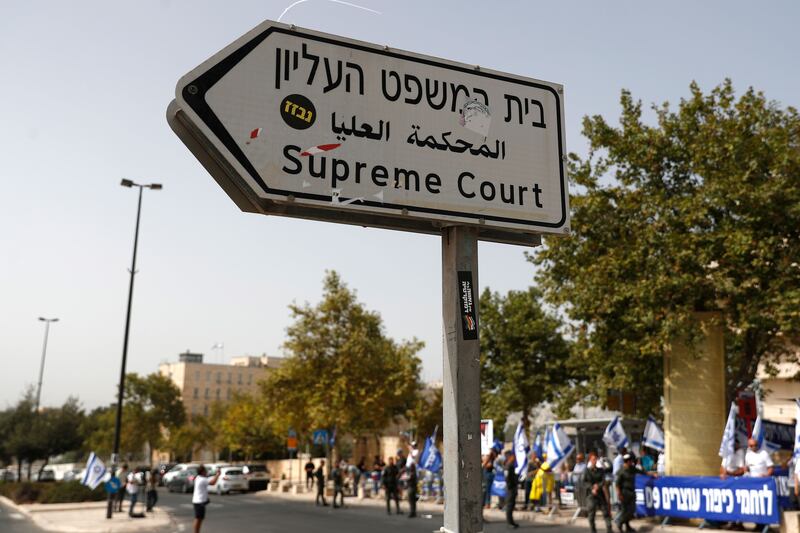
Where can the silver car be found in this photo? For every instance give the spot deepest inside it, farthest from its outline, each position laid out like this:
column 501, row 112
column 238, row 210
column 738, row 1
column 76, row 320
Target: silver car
column 231, row 478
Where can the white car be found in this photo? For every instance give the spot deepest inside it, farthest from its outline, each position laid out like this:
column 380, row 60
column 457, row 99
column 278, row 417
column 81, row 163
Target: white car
column 177, row 469
column 231, row 478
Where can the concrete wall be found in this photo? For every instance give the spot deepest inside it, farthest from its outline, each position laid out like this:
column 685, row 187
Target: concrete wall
column 694, row 402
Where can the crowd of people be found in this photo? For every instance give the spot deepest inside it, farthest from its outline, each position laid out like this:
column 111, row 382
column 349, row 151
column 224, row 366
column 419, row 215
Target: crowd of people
column 599, row 484
column 399, row 477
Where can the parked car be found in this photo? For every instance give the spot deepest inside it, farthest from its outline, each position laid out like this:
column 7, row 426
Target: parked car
column 257, row 476
column 48, row 474
column 231, row 478
column 73, row 475
column 175, row 470
column 182, row 481
column 163, row 468
column 212, row 467
column 8, row 475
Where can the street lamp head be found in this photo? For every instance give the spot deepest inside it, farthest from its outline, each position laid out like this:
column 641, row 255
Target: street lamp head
column 42, row 318
column 127, row 183
column 156, row 186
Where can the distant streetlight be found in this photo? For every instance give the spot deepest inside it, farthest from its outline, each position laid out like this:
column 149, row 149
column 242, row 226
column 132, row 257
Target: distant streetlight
column 47, row 322
column 121, row 389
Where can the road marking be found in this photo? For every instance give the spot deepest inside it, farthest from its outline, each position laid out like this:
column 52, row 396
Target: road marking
column 16, row 516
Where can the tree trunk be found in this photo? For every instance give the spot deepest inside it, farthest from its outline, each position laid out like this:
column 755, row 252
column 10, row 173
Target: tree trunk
column 41, row 469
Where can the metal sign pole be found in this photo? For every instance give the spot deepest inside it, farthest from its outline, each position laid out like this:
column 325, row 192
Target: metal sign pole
column 461, row 398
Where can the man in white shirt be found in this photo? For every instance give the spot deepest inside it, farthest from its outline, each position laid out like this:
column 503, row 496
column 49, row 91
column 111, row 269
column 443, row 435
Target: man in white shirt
column 733, row 465
column 200, row 495
column 757, row 462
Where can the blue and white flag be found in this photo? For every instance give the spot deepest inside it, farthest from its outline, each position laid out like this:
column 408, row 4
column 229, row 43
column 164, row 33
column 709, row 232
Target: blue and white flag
column 431, row 459
column 537, row 445
column 558, row 446
column 728, row 444
column 758, row 435
column 521, row 449
column 615, row 434
column 796, row 451
column 95, row 470
column 653, row 436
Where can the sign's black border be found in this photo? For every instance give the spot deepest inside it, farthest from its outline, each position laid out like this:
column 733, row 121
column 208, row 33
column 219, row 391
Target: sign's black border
column 201, row 85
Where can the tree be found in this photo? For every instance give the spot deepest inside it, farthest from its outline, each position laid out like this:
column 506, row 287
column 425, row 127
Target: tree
column 523, row 354
column 699, row 211
column 342, row 372
column 57, row 430
column 152, row 406
column 249, row 429
column 428, row 413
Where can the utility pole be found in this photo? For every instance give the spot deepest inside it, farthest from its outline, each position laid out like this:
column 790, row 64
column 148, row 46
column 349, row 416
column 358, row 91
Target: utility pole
column 121, row 387
column 47, row 322
column 461, row 392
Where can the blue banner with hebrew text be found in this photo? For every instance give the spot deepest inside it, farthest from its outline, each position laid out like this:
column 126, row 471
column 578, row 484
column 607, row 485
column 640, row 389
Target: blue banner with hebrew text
column 743, row 499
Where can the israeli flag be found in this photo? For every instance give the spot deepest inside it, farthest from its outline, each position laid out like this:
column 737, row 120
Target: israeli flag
column 558, row 446
column 431, row 458
column 759, row 436
column 727, row 446
column 521, row 449
column 653, row 436
column 615, row 434
column 95, row 470
column 538, row 448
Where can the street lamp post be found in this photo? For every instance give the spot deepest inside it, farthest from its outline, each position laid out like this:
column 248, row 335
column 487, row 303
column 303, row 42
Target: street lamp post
column 121, row 388
column 47, row 322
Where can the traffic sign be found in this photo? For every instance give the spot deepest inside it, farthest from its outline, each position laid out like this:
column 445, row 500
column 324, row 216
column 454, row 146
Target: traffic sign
column 300, row 123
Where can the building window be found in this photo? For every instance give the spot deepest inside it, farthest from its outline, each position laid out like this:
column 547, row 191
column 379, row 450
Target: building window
column 240, row 378
column 197, row 376
column 205, row 410
column 219, row 377
column 208, row 376
column 194, row 409
column 217, row 394
column 206, row 393
column 196, row 392
column 229, row 394
column 230, row 377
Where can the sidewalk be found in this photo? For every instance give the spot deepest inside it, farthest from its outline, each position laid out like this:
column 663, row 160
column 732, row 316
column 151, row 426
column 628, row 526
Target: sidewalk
column 490, row 515
column 89, row 517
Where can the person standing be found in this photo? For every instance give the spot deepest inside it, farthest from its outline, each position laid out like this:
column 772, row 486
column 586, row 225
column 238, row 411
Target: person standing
column 389, row 478
column 512, row 484
column 533, row 468
column 411, row 470
column 358, row 473
column 200, row 495
column 309, row 474
column 122, row 475
column 626, row 492
column 319, row 476
column 757, row 462
column 488, row 478
column 337, row 474
column 132, row 488
column 595, row 480
column 152, row 490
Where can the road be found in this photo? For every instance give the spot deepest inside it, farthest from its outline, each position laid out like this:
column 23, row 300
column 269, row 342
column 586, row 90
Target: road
column 248, row 512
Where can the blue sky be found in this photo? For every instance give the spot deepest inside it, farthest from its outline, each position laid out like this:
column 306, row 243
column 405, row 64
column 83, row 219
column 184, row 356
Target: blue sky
column 83, row 96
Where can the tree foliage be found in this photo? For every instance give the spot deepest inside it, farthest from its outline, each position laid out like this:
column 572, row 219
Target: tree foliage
column 523, row 354
column 699, row 211
column 152, row 408
column 428, row 413
column 343, row 371
column 249, row 429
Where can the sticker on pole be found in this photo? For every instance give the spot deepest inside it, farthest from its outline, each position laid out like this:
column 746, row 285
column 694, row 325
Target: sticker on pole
column 469, row 318
column 421, row 142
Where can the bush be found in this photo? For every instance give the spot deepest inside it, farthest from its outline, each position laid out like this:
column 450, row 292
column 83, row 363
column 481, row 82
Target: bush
column 59, row 492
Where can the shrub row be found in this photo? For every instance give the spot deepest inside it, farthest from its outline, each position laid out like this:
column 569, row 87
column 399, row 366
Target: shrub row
column 58, row 492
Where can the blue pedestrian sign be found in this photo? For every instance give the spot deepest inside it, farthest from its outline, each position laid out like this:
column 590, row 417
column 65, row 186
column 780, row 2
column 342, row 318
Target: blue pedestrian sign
column 113, row 485
column 320, row 437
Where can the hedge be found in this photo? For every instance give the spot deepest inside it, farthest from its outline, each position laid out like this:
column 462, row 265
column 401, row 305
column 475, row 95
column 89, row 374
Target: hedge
column 53, row 492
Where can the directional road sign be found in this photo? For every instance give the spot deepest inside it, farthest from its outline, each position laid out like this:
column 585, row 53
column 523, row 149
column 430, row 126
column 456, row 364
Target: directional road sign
column 300, row 123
